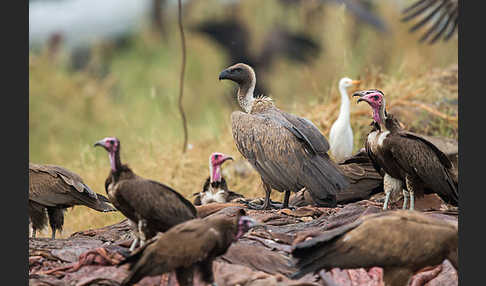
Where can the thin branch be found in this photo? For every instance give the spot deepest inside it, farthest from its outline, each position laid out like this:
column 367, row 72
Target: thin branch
column 181, row 82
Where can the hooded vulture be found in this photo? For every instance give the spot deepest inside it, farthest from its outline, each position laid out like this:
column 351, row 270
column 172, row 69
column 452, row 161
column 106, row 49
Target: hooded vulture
column 442, row 14
column 341, row 134
column 150, row 205
column 408, row 159
column 215, row 189
column 52, row 189
column 189, row 246
column 401, row 242
column 289, row 152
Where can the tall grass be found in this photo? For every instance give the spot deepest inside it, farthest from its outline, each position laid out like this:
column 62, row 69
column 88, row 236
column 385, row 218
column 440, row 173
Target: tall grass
column 137, row 99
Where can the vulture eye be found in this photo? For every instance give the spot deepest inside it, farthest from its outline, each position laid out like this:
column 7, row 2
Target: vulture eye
column 216, row 156
column 375, row 97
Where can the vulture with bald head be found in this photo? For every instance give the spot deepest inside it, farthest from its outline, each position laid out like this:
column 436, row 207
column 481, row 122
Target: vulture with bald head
column 289, row 152
column 410, row 162
column 215, row 189
column 150, row 205
column 401, row 242
column 52, row 189
column 188, row 247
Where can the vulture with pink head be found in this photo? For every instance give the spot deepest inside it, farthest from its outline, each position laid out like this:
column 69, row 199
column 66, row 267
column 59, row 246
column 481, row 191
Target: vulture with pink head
column 150, row 205
column 215, row 189
column 411, row 163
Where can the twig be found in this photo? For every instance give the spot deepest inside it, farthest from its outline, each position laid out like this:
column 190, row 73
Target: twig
column 181, row 82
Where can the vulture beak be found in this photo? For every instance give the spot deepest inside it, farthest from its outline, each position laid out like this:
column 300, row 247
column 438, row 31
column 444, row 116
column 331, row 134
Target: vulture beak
column 100, row 143
column 226, row 159
column 360, row 94
column 224, row 75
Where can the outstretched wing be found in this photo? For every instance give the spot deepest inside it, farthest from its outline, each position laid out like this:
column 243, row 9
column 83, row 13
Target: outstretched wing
column 443, row 15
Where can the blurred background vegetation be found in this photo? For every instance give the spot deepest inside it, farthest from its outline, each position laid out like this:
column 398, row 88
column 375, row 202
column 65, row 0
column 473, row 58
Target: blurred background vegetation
column 127, row 86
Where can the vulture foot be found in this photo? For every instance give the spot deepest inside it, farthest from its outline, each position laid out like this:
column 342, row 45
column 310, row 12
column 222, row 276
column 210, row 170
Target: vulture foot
column 387, row 198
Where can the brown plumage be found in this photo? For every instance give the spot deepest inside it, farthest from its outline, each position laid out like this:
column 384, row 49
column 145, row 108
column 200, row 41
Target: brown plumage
column 151, row 205
column 288, row 152
column 189, row 246
column 443, row 14
column 52, row 189
column 401, row 242
column 215, row 189
column 409, row 161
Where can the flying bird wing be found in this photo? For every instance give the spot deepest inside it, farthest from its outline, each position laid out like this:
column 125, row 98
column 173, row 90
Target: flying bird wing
column 443, row 15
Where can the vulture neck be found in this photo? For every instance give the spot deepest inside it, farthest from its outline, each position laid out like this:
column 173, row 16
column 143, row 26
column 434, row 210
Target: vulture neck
column 380, row 116
column 245, row 94
column 344, row 110
column 115, row 160
column 215, row 173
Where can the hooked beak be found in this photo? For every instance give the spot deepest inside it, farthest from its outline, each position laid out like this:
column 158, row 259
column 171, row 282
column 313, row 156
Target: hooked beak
column 100, row 143
column 226, row 159
column 224, row 75
column 360, row 94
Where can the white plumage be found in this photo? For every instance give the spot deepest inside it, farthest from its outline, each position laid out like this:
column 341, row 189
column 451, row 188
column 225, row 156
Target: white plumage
column 341, row 134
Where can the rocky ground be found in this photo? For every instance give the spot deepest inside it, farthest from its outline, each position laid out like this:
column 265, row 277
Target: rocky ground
column 261, row 257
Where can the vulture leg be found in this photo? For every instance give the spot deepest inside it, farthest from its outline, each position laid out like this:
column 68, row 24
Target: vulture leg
column 412, row 186
column 286, row 200
column 405, row 199
column 134, row 243
column 185, row 276
column 141, row 224
column 390, row 185
column 206, row 271
column 56, row 219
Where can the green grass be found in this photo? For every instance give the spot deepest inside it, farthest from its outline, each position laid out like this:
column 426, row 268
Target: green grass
column 137, row 100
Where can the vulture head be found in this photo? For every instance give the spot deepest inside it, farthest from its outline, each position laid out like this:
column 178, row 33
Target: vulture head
column 215, row 161
column 376, row 99
column 239, row 73
column 112, row 146
column 245, row 223
column 346, row 82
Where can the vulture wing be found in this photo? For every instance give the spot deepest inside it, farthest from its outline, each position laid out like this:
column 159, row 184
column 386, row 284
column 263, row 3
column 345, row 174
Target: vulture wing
column 411, row 238
column 284, row 154
column 182, row 246
column 442, row 14
column 51, row 185
column 419, row 157
column 154, row 201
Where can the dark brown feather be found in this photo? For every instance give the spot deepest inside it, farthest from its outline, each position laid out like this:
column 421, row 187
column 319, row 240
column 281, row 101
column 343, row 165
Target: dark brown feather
column 406, row 240
column 191, row 244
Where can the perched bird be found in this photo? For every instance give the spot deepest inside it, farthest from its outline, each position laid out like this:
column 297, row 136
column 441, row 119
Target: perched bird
column 150, row 205
column 341, row 134
column 53, row 189
column 408, row 159
column 189, row 246
column 289, row 152
column 233, row 36
column 443, row 15
column 401, row 242
column 215, row 189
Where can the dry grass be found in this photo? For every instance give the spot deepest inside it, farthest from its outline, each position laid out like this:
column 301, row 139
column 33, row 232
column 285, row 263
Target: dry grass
column 137, row 100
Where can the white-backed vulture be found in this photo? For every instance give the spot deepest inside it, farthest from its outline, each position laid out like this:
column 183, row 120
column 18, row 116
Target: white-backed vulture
column 289, row 152
column 52, row 189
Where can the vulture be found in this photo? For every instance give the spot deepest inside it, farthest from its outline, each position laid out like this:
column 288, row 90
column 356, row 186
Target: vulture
column 52, row 189
column 189, row 246
column 443, row 16
column 341, row 134
column 410, row 162
column 215, row 189
column 234, row 37
column 289, row 152
column 401, row 242
column 150, row 205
